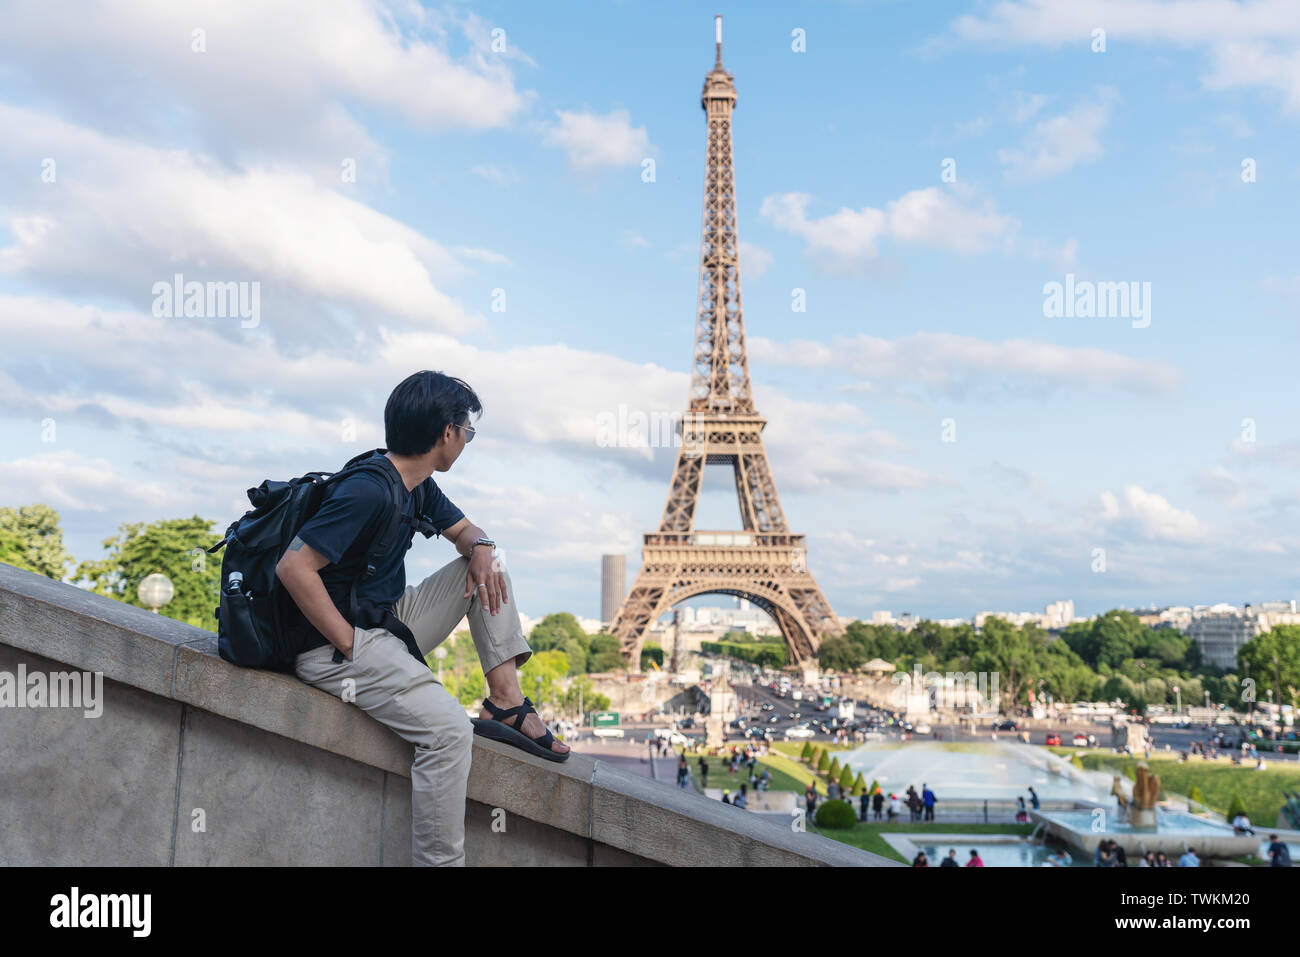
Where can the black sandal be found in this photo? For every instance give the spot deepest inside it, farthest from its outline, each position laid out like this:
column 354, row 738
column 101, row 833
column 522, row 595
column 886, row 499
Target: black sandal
column 496, row 729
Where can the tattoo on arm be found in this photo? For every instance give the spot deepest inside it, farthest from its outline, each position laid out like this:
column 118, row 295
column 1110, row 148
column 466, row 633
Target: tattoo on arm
column 297, row 544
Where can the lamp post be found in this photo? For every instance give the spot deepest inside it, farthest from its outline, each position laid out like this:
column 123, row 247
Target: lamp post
column 440, row 652
column 155, row 591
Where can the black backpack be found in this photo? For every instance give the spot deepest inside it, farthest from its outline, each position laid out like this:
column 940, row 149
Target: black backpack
column 254, row 603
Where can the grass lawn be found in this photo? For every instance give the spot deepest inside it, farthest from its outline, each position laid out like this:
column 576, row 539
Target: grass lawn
column 782, row 762
column 1260, row 791
column 866, row 836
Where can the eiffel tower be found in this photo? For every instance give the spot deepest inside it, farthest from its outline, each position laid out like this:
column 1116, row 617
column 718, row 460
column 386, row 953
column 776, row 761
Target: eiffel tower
column 765, row 562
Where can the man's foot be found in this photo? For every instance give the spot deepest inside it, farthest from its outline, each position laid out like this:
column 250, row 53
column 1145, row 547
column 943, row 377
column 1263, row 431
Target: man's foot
column 533, row 726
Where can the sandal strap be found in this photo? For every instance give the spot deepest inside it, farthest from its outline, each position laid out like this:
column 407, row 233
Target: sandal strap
column 518, row 712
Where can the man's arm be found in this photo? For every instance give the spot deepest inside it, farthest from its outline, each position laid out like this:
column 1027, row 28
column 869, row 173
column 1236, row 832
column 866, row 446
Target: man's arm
column 484, row 569
column 299, row 570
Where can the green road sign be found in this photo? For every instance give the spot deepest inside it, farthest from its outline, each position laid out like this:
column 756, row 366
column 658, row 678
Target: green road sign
column 605, row 719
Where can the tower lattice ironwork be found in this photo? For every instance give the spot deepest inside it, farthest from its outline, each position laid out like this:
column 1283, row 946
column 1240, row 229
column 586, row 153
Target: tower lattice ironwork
column 764, row 562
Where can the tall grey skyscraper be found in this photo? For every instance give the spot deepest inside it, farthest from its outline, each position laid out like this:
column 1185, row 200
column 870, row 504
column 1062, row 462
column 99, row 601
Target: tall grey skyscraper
column 613, row 585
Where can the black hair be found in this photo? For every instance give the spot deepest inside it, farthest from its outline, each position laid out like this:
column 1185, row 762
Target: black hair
column 420, row 409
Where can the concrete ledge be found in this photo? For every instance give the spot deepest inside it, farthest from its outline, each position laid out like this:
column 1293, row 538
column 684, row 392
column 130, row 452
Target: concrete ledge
column 284, row 773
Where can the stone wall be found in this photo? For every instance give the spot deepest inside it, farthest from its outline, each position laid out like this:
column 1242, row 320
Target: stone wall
column 278, row 772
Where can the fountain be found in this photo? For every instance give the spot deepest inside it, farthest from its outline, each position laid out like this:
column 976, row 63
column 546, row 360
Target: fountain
column 1143, row 826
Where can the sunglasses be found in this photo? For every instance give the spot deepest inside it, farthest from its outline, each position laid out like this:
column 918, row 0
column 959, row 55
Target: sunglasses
column 469, row 432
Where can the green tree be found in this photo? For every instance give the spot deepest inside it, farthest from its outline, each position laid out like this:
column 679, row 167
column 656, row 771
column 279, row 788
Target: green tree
column 833, row 771
column 605, row 654
column 807, row 751
column 823, row 763
column 540, row 676
column 858, row 785
column 173, row 547
column 651, row 651
column 846, row 780
column 31, row 539
column 840, row 654
column 554, row 630
column 1274, row 662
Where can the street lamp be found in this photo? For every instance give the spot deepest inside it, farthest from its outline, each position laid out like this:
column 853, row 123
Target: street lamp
column 155, row 591
column 440, row 652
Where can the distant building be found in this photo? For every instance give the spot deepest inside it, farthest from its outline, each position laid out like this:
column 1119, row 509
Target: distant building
column 613, row 585
column 1221, row 632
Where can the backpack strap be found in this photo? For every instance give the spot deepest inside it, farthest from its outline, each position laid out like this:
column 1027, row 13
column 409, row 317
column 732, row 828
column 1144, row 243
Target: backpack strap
column 364, row 612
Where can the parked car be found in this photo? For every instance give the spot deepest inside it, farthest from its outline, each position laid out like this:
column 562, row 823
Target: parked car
column 923, row 728
column 607, row 732
column 798, row 733
column 1080, row 741
column 1053, row 739
column 1005, row 725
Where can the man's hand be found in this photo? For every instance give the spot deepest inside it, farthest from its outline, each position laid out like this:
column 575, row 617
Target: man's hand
column 486, row 577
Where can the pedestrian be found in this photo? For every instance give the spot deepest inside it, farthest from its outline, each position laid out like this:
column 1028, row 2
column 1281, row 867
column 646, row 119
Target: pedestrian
column 1021, row 815
column 1241, row 825
column 919, row 860
column 704, row 772
column 1033, row 799
column 913, row 803
column 928, row 799
column 833, row 790
column 741, row 799
column 950, row 860
column 1279, row 855
column 864, row 801
column 893, row 808
column 975, row 860
column 1162, row 859
column 1189, row 859
column 877, row 802
column 726, row 796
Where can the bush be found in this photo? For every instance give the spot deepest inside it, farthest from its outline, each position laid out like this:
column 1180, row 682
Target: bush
column 836, row 814
column 1238, row 806
column 807, row 751
column 834, row 771
column 1196, row 795
column 858, row 785
column 823, row 763
column 846, row 781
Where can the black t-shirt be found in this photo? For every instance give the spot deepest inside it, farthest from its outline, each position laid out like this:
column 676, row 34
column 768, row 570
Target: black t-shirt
column 342, row 530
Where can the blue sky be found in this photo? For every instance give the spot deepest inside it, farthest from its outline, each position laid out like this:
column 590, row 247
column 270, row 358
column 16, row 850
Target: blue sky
column 481, row 168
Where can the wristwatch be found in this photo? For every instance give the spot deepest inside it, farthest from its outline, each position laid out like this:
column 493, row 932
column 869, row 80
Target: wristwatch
column 483, row 541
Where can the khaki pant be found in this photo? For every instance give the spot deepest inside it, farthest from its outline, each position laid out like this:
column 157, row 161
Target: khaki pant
column 402, row 693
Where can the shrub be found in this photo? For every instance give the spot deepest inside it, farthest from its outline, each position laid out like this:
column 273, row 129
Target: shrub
column 823, row 764
column 1238, row 806
column 834, row 771
column 858, row 785
column 807, row 751
column 836, row 814
column 846, row 781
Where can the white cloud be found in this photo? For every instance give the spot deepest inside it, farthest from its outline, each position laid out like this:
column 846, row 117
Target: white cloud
column 948, row 363
column 1151, row 515
column 1250, row 45
column 275, row 80
column 754, row 260
column 594, row 141
column 849, row 239
column 121, row 217
column 1062, row 142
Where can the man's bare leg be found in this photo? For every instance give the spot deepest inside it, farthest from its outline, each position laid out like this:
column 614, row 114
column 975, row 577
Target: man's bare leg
column 503, row 689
